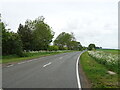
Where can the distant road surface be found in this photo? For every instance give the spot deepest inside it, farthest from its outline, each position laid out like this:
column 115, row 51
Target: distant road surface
column 56, row 71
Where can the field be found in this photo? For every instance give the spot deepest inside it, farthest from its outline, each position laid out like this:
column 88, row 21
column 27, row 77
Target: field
column 29, row 55
column 96, row 68
column 112, row 51
column 109, row 58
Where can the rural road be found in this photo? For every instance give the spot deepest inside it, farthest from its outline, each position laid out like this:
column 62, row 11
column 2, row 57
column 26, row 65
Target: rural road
column 56, row 71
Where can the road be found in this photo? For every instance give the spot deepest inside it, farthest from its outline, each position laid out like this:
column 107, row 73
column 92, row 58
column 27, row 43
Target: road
column 56, row 71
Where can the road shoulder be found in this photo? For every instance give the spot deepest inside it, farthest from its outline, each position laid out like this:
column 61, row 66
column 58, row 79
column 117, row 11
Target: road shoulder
column 85, row 83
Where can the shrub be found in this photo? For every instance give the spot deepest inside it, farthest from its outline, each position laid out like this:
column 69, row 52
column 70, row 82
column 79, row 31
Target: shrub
column 53, row 48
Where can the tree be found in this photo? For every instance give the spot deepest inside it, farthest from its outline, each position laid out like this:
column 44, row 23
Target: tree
column 73, row 45
column 1, row 26
column 42, row 34
column 80, row 47
column 11, row 43
column 63, row 40
column 53, row 48
column 67, row 41
column 36, row 34
column 91, row 46
column 26, row 36
column 84, row 48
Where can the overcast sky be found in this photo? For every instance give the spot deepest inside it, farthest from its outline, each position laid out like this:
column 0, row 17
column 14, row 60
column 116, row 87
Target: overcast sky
column 91, row 21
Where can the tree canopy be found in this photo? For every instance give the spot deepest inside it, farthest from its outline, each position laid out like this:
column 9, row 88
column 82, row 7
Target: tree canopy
column 36, row 34
column 67, row 40
column 11, row 42
column 91, row 47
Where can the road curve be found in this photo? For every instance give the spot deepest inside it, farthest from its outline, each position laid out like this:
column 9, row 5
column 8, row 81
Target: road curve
column 56, row 71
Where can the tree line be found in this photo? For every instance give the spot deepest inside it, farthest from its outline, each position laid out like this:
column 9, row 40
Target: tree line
column 36, row 35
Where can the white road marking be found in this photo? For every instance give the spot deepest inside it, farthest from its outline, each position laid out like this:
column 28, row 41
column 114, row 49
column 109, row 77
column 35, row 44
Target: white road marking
column 30, row 60
column 21, row 62
column 47, row 64
column 60, row 57
column 10, row 65
column 78, row 78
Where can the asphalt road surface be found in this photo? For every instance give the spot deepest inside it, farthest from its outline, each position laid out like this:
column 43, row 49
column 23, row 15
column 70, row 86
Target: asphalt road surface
column 56, row 71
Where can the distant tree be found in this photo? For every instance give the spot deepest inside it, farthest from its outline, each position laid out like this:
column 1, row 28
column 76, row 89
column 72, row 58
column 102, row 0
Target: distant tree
column 84, row 48
column 80, row 47
column 98, row 47
column 11, row 42
column 67, row 41
column 91, row 47
column 74, row 45
column 1, row 26
column 63, row 40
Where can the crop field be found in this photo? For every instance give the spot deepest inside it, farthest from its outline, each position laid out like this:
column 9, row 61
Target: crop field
column 112, row 51
column 96, row 65
column 109, row 58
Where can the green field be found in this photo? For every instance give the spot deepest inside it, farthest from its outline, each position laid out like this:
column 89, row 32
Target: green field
column 113, row 51
column 109, row 58
column 28, row 55
column 97, row 72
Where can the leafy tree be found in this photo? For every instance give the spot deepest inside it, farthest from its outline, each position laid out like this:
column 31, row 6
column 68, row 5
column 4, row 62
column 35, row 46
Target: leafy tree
column 63, row 40
column 74, row 45
column 66, row 40
column 80, row 47
column 0, row 38
column 42, row 33
column 26, row 36
column 91, row 46
column 53, row 48
column 84, row 48
column 11, row 43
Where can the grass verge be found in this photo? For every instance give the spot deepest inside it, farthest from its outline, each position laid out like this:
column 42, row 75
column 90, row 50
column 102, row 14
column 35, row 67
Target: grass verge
column 97, row 73
column 15, row 58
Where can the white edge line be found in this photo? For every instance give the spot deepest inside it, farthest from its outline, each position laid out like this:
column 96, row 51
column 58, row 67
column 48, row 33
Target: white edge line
column 78, row 78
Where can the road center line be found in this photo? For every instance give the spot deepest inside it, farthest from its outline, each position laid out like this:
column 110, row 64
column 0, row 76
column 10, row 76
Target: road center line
column 10, row 65
column 21, row 62
column 60, row 57
column 47, row 64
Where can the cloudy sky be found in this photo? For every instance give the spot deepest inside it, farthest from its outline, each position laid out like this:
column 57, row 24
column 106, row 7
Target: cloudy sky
column 91, row 21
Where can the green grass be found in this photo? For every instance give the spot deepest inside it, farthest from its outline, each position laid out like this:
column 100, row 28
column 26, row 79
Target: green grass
column 97, row 73
column 108, row 58
column 15, row 58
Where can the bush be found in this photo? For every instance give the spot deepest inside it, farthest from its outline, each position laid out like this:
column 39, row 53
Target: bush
column 91, row 47
column 53, row 48
column 65, row 48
